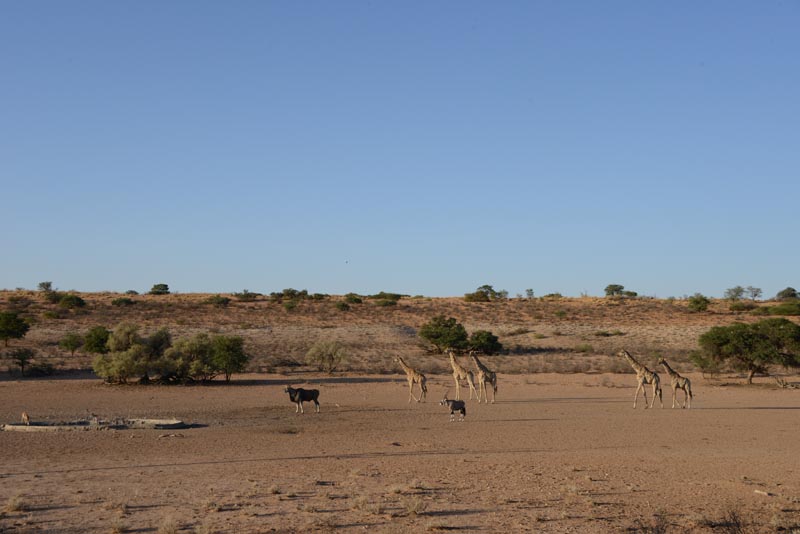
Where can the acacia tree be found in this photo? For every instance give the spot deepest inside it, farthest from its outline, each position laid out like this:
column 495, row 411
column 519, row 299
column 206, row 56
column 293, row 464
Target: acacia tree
column 754, row 347
column 614, row 290
column 484, row 341
column 21, row 357
column 444, row 333
column 71, row 342
column 227, row 353
column 12, row 326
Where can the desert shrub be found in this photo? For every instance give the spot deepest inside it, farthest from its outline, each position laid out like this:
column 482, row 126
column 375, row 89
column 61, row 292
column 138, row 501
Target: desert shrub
column 560, row 313
column 477, row 296
column 289, row 305
column 247, row 296
column 45, row 287
column 553, row 296
column 698, row 302
column 353, row 298
column 96, row 340
column 327, row 356
column 704, row 362
column 741, row 306
column 70, row 301
column 787, row 294
column 123, row 301
column 132, row 292
column 444, row 333
column 484, row 341
column 289, row 294
column 53, row 297
column 12, row 326
column 386, row 302
column 342, row 306
column 159, row 289
column 228, row 355
column 383, row 295
column 218, row 301
column 486, row 293
column 124, row 336
column 320, row 296
column 189, row 359
column 18, row 302
column 121, row 366
column 584, row 347
column 71, row 342
column 785, row 308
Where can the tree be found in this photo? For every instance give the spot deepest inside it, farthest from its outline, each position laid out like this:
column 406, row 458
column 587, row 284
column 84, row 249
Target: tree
column 159, row 289
column 71, row 342
column 21, row 357
column 96, row 340
column 227, row 353
column 614, row 290
column 444, row 333
column 787, row 294
column 326, row 355
column 734, row 293
column 45, row 287
column 529, row 294
column 486, row 293
column 485, row 342
column 12, row 326
column 71, row 300
column 754, row 347
column 754, row 292
column 698, row 302
column 189, row 359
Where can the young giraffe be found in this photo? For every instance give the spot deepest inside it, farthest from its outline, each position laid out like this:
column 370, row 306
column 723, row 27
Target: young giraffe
column 678, row 382
column 414, row 377
column 644, row 376
column 484, row 375
column 460, row 373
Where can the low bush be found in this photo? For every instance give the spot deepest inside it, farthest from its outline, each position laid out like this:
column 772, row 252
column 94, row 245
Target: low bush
column 353, row 298
column 247, row 296
column 327, row 356
column 70, row 301
column 123, row 301
column 342, row 306
column 218, row 301
column 698, row 302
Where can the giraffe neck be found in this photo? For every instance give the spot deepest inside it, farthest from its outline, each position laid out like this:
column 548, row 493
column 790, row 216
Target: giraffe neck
column 669, row 370
column 405, row 367
column 636, row 365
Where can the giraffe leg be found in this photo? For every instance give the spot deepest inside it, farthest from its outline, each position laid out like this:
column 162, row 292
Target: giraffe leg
column 674, row 395
column 458, row 388
column 636, row 396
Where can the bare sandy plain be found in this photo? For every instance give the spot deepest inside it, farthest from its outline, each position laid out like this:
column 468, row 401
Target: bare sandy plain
column 555, row 453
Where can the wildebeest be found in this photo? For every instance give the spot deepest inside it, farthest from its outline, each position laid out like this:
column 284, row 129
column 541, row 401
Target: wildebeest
column 455, row 406
column 300, row 395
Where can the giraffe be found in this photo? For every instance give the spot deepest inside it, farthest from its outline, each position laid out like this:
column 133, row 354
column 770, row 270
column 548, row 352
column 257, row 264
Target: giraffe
column 484, row 375
column 678, row 382
column 413, row 377
column 460, row 373
column 643, row 376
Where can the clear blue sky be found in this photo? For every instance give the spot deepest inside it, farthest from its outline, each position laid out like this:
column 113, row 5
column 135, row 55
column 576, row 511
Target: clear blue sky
column 418, row 147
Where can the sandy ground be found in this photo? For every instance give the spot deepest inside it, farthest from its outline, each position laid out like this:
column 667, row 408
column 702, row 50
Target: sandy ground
column 556, row 453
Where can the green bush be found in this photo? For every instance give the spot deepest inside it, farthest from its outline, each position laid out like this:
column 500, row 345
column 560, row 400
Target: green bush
column 159, row 289
column 484, row 341
column 785, row 308
column 123, row 301
column 70, row 301
column 327, row 356
column 698, row 302
column 741, row 306
column 132, row 292
column 584, row 347
column 444, row 333
column 787, row 294
column 342, row 306
column 486, row 293
column 121, row 366
column 71, row 342
column 290, row 305
column 21, row 357
column 383, row 295
column 386, row 302
column 289, row 294
column 12, row 326
column 96, row 340
column 218, row 301
column 353, row 298
column 614, row 290
column 228, row 355
column 247, row 296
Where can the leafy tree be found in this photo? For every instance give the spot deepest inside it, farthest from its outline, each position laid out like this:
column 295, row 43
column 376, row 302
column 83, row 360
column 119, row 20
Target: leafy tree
column 485, row 342
column 131, row 292
column 71, row 342
column 698, row 302
column 21, row 357
column 71, row 300
column 754, row 292
column 486, row 293
column 227, row 353
column 159, row 289
column 614, row 290
column 327, row 356
column 247, row 296
column 124, row 336
column 12, row 326
column 753, row 347
column 529, row 294
column 189, row 359
column 734, row 293
column 787, row 294
column 45, row 287
column 444, row 333
column 121, row 366
column 96, row 340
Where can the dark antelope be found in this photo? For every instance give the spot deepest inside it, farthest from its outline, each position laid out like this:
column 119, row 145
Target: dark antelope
column 455, row 406
column 300, row 395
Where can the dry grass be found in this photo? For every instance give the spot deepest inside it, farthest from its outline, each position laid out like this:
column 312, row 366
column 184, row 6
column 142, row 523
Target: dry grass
column 16, row 503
